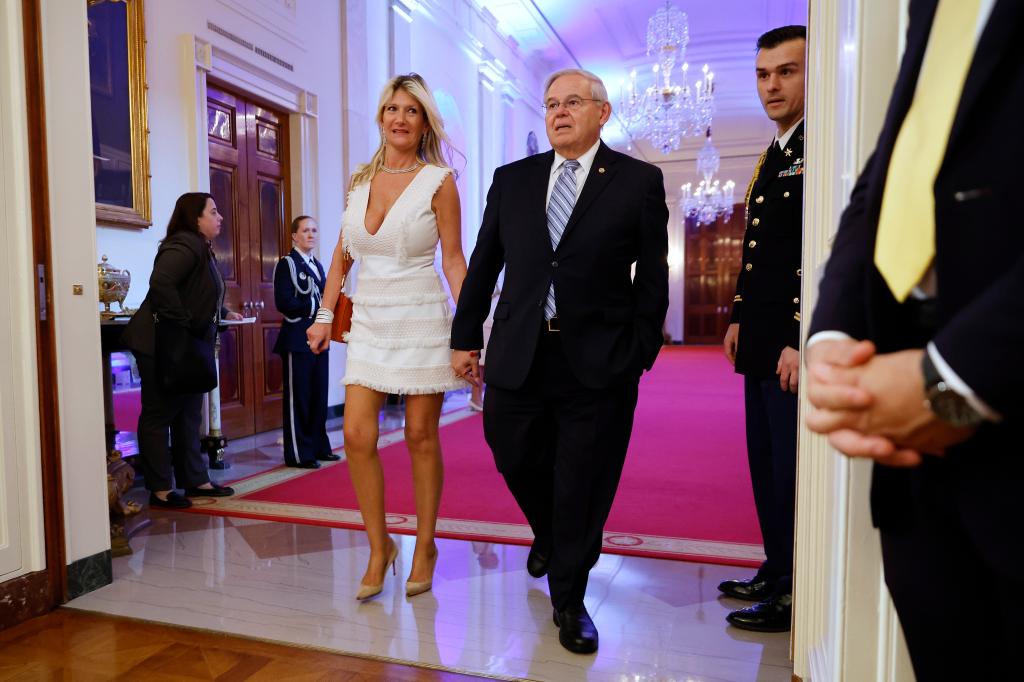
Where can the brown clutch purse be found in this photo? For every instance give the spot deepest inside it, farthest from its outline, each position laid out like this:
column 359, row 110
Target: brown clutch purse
column 343, row 307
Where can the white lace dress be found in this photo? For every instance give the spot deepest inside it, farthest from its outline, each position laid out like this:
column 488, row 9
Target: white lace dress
column 401, row 320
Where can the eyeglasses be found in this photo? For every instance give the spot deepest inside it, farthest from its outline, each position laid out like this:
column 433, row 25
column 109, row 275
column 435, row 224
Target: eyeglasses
column 571, row 103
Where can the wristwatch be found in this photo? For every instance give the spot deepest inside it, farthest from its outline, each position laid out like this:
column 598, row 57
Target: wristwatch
column 943, row 401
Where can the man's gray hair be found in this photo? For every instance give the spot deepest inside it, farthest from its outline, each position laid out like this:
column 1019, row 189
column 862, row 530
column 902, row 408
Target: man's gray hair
column 597, row 89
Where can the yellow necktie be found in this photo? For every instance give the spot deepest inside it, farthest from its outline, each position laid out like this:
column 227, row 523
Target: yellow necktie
column 905, row 243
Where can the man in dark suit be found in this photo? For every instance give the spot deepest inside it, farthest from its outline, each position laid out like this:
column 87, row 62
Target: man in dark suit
column 298, row 286
column 916, row 343
column 764, row 333
column 573, row 331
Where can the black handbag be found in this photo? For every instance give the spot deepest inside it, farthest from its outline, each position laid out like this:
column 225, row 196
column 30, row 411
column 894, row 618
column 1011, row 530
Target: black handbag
column 184, row 361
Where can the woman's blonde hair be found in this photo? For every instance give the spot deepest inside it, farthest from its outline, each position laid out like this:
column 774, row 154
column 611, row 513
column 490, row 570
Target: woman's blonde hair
column 436, row 148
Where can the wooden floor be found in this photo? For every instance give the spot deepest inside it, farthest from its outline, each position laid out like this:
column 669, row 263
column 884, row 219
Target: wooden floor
column 68, row 644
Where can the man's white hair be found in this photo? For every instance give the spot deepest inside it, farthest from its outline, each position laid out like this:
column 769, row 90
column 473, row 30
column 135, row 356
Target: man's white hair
column 597, row 89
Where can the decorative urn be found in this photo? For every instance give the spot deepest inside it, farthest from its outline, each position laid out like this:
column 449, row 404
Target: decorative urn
column 113, row 285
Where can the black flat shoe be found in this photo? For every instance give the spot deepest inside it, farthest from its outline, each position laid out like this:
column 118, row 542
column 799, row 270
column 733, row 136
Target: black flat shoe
column 537, row 562
column 771, row 615
column 215, row 491
column 329, row 457
column 173, row 501
column 305, row 465
column 755, row 589
column 576, row 632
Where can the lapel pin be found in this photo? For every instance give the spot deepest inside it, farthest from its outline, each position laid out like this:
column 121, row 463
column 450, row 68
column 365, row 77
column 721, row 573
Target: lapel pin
column 788, row 152
column 601, row 169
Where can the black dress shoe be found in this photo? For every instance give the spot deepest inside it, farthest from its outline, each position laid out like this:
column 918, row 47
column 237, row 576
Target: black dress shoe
column 305, row 465
column 329, row 457
column 576, row 632
column 215, row 491
column 537, row 562
column 173, row 501
column 771, row 615
column 755, row 589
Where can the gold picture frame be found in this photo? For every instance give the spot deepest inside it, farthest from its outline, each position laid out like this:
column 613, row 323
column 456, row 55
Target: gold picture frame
column 120, row 125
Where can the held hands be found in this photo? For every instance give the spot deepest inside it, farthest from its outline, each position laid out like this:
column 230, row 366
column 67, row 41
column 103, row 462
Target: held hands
column 318, row 337
column 731, row 341
column 466, row 364
column 788, row 369
column 873, row 405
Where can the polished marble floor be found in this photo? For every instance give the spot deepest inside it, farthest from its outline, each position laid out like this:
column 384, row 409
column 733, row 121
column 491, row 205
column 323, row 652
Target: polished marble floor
column 658, row 620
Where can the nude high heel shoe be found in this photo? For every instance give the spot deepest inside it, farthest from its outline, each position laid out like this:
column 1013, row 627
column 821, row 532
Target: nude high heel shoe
column 367, row 591
column 414, row 588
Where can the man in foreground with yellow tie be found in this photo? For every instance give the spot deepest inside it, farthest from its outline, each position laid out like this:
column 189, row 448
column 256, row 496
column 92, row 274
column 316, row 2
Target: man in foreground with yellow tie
column 916, row 353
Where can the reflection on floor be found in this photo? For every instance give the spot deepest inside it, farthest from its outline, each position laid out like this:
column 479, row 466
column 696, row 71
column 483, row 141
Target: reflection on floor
column 658, row 620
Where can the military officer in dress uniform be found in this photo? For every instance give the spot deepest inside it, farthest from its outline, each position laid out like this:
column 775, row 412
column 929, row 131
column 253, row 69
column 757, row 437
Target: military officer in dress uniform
column 763, row 337
column 298, row 287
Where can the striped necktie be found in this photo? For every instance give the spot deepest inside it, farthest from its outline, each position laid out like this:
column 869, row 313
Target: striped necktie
column 563, row 198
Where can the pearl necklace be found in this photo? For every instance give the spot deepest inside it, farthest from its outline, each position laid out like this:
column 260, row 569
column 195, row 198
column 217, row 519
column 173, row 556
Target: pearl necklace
column 401, row 170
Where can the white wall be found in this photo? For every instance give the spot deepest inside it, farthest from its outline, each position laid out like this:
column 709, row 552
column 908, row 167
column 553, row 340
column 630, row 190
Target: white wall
column 76, row 317
column 307, row 35
column 488, row 93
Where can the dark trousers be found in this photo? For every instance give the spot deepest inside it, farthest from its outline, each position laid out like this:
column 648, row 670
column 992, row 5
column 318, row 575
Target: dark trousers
column 771, row 416
column 305, row 407
column 956, row 601
column 561, row 447
column 178, row 414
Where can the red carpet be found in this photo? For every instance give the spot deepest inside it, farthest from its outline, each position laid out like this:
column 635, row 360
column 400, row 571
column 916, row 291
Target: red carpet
column 685, row 490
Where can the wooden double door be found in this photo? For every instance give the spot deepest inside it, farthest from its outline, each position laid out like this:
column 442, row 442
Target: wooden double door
column 714, row 255
column 248, row 180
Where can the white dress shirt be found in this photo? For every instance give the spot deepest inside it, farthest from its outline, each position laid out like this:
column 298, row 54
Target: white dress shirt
column 784, row 139
column 586, row 161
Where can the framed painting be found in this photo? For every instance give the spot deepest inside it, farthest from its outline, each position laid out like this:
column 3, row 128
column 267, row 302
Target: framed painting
column 120, row 131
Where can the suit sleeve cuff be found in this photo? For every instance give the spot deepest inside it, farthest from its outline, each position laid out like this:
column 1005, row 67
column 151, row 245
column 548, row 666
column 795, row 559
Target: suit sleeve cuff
column 954, row 381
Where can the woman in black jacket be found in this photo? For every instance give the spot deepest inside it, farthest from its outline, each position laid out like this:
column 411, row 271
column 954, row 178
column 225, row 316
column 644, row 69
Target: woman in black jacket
column 185, row 289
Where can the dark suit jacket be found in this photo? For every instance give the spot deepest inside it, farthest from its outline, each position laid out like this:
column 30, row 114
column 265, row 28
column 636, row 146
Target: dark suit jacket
column 295, row 305
column 182, row 290
column 979, row 263
column 611, row 324
column 767, row 300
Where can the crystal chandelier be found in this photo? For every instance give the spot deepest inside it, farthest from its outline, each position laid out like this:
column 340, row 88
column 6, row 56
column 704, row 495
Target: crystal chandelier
column 666, row 112
column 710, row 200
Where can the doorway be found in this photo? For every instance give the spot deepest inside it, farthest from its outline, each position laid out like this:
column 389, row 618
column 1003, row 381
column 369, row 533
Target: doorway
column 248, row 147
column 714, row 253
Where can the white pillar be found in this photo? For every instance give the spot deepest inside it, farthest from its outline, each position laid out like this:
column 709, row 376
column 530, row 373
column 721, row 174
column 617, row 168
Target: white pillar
column 844, row 626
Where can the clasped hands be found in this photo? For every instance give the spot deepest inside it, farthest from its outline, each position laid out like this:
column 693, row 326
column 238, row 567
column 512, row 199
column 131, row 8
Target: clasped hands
column 466, row 364
column 873, row 405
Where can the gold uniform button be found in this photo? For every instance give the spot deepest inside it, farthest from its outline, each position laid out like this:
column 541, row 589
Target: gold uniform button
column 752, row 243
column 760, row 199
column 755, row 222
column 785, row 194
column 749, row 267
column 796, row 300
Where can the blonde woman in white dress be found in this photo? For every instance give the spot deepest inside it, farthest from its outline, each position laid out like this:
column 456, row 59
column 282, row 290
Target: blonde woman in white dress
column 400, row 205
